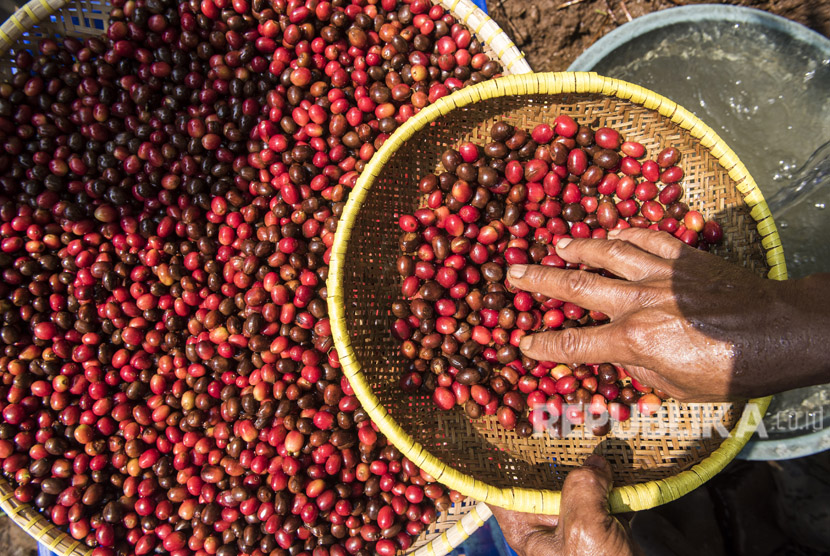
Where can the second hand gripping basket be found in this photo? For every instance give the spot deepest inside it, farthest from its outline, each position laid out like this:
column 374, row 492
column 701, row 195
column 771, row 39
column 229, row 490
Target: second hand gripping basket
column 39, row 19
column 481, row 459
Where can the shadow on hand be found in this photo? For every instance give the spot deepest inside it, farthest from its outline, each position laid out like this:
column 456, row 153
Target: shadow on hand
column 621, row 455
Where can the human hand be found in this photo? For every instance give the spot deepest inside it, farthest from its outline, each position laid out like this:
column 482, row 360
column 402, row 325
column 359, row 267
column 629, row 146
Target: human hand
column 584, row 526
column 681, row 320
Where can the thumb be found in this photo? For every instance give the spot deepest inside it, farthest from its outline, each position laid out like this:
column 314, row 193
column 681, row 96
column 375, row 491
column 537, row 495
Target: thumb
column 586, row 489
column 584, row 509
column 586, row 524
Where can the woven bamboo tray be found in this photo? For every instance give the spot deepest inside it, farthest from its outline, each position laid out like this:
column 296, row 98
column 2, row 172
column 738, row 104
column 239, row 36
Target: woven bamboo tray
column 85, row 18
column 481, row 459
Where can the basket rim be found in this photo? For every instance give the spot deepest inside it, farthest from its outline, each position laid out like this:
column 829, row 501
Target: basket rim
column 474, row 18
column 622, row 499
column 38, row 526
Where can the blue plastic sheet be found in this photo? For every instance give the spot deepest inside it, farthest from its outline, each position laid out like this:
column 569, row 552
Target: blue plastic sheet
column 481, row 4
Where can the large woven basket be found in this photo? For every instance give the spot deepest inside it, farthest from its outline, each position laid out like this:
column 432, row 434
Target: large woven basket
column 482, row 459
column 40, row 19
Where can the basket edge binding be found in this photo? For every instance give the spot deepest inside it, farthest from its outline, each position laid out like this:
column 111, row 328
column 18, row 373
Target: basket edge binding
column 26, row 17
column 623, row 499
column 513, row 59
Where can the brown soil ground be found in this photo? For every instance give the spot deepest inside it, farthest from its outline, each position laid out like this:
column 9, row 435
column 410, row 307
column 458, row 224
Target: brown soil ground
column 554, row 32
column 13, row 541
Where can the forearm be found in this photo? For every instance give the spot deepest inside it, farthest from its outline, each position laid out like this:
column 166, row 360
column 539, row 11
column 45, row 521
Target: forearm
column 801, row 335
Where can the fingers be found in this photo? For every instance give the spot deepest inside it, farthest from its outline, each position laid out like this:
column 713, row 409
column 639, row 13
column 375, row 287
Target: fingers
column 620, row 257
column 647, row 377
column 686, row 391
column 655, row 242
column 573, row 345
column 586, row 289
column 641, row 374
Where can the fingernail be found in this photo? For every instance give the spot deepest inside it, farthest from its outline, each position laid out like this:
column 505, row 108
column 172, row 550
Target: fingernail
column 517, row 270
column 596, row 461
column 525, row 342
column 562, row 243
column 613, row 234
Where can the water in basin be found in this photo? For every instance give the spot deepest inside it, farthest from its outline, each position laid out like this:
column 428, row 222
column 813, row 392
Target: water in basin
column 768, row 97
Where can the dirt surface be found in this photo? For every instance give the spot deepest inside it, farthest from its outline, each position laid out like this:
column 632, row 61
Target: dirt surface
column 554, row 32
column 13, row 541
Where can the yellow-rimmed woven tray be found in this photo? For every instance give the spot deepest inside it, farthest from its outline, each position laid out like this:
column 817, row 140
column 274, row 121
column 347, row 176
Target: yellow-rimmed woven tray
column 481, row 459
column 39, row 19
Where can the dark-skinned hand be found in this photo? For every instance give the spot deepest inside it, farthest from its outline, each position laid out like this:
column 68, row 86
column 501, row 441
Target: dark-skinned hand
column 682, row 320
column 584, row 526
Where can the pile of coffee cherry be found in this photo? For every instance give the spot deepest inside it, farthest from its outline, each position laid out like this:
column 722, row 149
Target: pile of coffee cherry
column 509, row 202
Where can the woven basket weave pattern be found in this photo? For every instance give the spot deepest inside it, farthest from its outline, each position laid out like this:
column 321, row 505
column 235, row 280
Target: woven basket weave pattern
column 40, row 19
column 483, row 448
column 481, row 458
column 49, row 19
